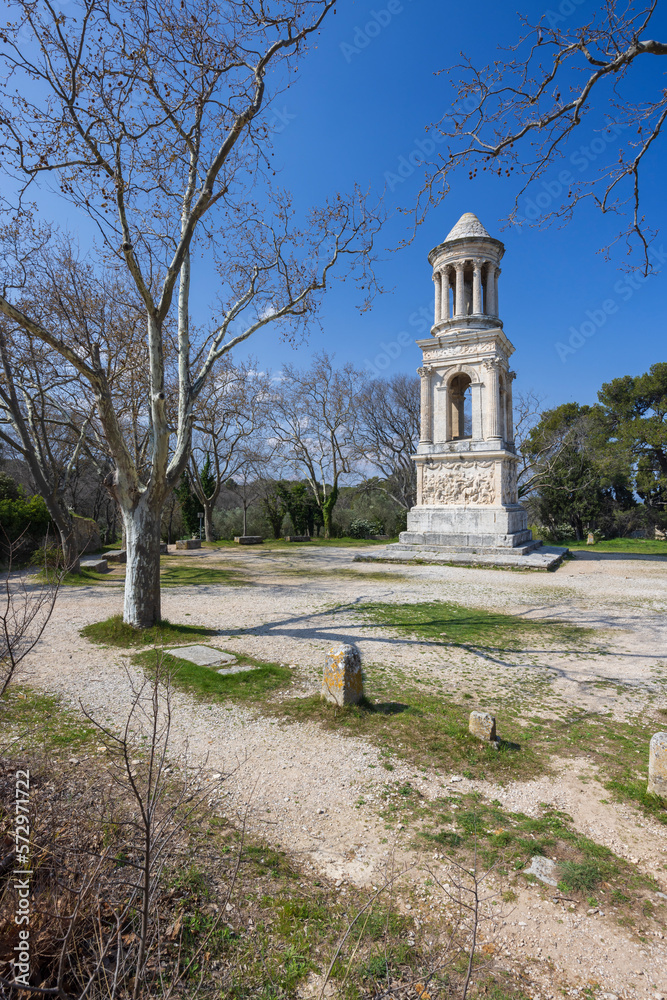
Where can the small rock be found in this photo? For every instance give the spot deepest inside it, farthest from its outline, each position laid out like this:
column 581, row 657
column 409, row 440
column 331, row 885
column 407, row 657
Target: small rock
column 456, row 778
column 483, row 726
column 543, row 869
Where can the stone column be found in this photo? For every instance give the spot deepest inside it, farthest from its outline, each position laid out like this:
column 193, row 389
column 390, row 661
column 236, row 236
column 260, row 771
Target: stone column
column 459, row 307
column 491, row 290
column 492, row 401
column 426, row 428
column 495, row 291
column 509, row 419
column 477, row 287
column 445, row 293
column 476, row 401
column 437, row 281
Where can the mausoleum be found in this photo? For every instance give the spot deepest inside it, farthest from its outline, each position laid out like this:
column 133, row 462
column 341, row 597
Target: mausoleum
column 467, row 501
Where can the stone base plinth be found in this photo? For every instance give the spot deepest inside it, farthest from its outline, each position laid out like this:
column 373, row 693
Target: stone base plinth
column 464, row 526
column 534, row 556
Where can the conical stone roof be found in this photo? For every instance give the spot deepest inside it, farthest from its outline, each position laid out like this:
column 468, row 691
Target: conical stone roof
column 468, row 225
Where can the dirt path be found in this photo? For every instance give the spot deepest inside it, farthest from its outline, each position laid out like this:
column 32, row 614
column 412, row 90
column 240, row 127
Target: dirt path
column 302, row 787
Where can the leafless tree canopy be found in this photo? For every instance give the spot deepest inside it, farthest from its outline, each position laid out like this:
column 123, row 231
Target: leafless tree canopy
column 153, row 119
column 562, row 80
column 389, row 433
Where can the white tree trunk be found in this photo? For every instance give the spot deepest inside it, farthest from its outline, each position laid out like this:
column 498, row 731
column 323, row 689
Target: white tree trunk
column 142, row 580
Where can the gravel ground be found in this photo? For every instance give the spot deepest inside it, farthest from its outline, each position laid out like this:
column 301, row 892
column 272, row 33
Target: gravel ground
column 300, row 787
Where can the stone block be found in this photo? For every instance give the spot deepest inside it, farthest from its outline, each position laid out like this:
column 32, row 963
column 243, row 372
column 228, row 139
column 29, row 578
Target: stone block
column 249, row 539
column 297, row 538
column 116, row 556
column 163, row 549
column 86, row 534
column 657, row 764
column 343, row 683
column 188, row 543
column 96, row 565
column 590, row 538
column 483, row 726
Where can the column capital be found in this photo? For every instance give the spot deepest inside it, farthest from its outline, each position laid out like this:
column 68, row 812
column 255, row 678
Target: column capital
column 492, row 364
column 424, row 371
column 459, row 265
column 511, row 376
column 478, row 262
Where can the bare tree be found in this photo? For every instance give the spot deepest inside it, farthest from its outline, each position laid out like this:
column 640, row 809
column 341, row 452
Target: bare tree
column 315, row 417
column 227, row 414
column 152, row 119
column 46, row 417
column 25, row 610
column 517, row 116
column 388, row 435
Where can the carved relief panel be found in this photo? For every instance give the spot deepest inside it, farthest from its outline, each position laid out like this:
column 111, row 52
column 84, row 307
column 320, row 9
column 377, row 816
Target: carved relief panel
column 459, row 483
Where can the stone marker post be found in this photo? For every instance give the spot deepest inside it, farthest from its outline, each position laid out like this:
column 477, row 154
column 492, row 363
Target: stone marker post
column 483, row 726
column 342, row 683
column 657, row 764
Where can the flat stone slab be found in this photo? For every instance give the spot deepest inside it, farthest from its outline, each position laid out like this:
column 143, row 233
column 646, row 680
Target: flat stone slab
column 249, row 540
column 96, row 565
column 546, row 557
column 188, row 543
column 543, row 869
column 116, row 555
column 297, row 538
column 203, row 656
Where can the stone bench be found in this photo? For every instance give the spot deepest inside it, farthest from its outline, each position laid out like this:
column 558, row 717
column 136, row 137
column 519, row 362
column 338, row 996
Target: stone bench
column 188, row 543
column 249, row 540
column 97, row 565
column 297, row 538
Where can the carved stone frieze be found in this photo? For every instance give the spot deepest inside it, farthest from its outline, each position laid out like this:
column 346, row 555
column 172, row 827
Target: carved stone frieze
column 459, row 483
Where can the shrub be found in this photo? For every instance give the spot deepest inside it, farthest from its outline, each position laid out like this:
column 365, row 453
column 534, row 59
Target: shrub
column 360, row 528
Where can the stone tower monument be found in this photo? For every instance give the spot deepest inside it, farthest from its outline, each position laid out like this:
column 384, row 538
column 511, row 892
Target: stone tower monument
column 467, row 500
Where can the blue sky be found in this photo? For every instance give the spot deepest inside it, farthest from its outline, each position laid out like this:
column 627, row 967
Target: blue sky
column 356, row 113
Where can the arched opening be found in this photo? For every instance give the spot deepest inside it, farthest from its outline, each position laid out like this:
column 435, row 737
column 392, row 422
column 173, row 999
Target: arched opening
column 460, row 401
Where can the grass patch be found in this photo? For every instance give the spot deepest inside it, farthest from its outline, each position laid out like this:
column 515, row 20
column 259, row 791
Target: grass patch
column 42, row 719
column 425, row 729
column 509, row 840
column 280, row 543
column 629, row 546
column 83, row 579
column 203, row 682
column 115, row 632
column 188, row 575
column 454, row 624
